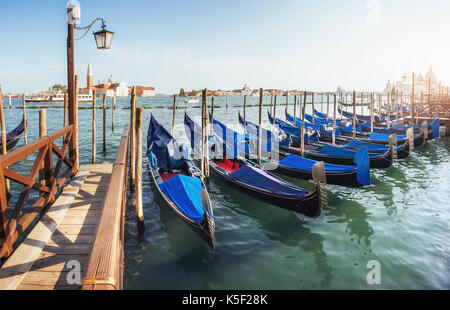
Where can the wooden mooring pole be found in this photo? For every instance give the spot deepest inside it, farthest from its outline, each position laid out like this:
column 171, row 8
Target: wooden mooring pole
column 132, row 139
column 139, row 206
column 24, row 107
column 42, row 133
column 2, row 121
column 354, row 114
column 174, row 112
column 245, row 113
column 274, row 109
column 302, row 143
column 261, row 92
column 112, row 112
column 212, row 117
column 295, row 107
column 104, row 123
column 333, row 139
column 94, row 118
column 65, row 109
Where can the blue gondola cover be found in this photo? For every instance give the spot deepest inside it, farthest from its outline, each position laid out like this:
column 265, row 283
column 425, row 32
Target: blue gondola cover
column 301, row 163
column 162, row 149
column 185, row 192
column 260, row 179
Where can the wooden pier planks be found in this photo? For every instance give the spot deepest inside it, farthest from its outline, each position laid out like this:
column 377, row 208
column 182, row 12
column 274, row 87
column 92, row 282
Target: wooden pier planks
column 65, row 233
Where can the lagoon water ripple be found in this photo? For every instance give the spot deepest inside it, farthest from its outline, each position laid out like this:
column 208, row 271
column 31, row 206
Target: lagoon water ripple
column 401, row 220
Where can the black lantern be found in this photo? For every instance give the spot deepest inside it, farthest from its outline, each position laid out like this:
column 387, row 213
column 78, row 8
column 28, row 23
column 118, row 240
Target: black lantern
column 103, row 38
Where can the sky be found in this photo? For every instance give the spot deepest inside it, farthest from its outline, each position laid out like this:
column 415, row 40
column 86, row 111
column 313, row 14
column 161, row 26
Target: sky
column 195, row 44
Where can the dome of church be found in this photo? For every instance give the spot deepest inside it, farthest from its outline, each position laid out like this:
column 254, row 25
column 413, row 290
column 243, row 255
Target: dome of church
column 430, row 75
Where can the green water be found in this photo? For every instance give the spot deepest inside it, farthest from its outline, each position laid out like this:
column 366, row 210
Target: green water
column 402, row 221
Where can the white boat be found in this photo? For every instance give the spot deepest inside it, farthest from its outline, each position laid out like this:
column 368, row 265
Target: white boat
column 81, row 98
column 192, row 100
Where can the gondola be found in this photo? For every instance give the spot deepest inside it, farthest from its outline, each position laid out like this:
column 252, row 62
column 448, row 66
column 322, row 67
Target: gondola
column 381, row 127
column 300, row 167
column 251, row 180
column 179, row 182
column 12, row 138
column 358, row 104
column 403, row 150
column 329, row 153
column 346, row 130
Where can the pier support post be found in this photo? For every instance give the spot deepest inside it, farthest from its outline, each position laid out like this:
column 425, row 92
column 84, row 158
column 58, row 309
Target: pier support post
column 138, row 173
column 65, row 109
column 133, row 139
column 3, row 128
column 42, row 133
column 104, row 123
column 174, row 111
column 24, row 107
column 94, row 120
column 261, row 93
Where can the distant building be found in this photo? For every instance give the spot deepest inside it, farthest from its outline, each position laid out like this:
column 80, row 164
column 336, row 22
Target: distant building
column 142, row 91
column 422, row 84
column 90, row 76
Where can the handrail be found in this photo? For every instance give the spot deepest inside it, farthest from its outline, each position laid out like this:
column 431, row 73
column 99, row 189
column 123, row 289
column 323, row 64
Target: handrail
column 13, row 224
column 105, row 267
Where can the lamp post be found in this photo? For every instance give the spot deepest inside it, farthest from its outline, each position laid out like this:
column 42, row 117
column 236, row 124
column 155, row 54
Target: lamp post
column 103, row 40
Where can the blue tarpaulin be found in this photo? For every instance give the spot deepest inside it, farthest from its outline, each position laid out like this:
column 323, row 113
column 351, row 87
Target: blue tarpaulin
column 260, row 179
column 185, row 192
column 361, row 159
column 301, row 163
column 162, row 150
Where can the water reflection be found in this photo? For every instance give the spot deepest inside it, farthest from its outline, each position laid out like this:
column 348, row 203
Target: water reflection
column 353, row 214
column 191, row 252
column 281, row 226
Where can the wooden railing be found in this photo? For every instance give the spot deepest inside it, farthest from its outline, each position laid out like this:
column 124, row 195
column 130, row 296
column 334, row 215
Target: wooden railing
column 16, row 219
column 105, row 267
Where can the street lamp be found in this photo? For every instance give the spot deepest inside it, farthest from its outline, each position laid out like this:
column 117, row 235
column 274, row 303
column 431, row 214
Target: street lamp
column 103, row 39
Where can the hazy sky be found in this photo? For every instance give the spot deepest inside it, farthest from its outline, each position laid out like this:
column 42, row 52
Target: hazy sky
column 307, row 45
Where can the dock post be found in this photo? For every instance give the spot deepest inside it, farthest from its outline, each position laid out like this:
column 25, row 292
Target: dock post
column 132, row 139
column 212, row 117
column 274, row 110
column 261, row 93
column 174, row 110
column 354, row 114
column 287, row 100
column 334, row 121
column 42, row 133
column 94, row 119
column 389, row 102
column 328, row 104
column 139, row 207
column 2, row 121
column 302, row 140
column 245, row 115
column 295, row 107
column 362, row 103
column 65, row 109
column 204, row 144
column 104, row 123
column 112, row 112
column 321, row 104
column 24, row 107
column 372, row 116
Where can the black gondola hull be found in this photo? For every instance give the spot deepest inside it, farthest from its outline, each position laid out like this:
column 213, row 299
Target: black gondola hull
column 310, row 206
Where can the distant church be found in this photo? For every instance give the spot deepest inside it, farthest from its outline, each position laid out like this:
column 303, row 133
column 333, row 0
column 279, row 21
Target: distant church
column 422, row 84
column 110, row 87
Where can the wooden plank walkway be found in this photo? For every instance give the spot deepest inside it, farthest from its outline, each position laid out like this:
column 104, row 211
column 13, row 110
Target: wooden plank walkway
column 65, row 234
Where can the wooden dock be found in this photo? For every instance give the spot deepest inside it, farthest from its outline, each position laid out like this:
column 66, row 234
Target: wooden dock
column 65, row 230
column 47, row 258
